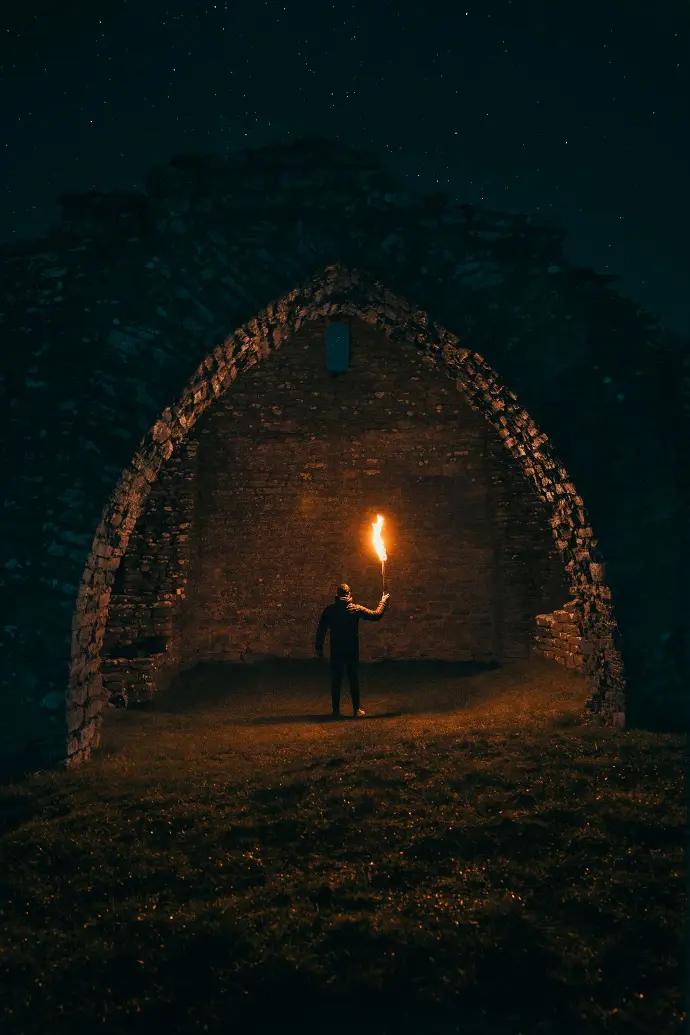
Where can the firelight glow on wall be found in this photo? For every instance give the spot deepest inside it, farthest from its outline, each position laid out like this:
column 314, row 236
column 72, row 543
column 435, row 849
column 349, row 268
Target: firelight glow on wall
column 337, row 347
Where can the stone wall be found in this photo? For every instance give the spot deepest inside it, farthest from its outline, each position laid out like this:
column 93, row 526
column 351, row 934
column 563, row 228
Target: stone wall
column 294, row 464
column 149, row 585
column 559, row 637
column 344, row 293
column 104, row 321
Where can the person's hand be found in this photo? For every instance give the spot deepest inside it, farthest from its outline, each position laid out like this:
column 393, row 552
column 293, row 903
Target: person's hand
column 385, row 597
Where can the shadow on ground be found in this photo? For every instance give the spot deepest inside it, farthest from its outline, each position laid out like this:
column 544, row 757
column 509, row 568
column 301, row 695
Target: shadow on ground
column 287, row 720
column 429, row 684
column 254, row 717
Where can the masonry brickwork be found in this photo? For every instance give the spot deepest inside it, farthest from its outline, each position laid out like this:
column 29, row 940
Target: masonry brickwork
column 149, row 586
column 559, row 637
column 216, row 266
column 347, row 294
column 294, row 465
column 269, row 505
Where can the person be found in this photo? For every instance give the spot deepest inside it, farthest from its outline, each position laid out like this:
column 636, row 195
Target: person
column 342, row 619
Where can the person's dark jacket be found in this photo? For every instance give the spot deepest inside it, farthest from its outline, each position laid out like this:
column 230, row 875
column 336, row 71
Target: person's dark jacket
column 342, row 619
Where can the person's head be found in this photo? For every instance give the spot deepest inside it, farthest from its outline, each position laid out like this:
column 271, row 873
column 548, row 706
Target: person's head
column 343, row 592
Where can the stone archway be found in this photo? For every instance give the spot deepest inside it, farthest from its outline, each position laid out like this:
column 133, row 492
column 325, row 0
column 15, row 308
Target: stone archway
column 338, row 291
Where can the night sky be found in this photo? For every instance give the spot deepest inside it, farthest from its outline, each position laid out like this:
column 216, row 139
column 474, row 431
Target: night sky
column 578, row 110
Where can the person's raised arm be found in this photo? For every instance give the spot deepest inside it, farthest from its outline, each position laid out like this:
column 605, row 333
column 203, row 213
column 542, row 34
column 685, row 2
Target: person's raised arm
column 372, row 616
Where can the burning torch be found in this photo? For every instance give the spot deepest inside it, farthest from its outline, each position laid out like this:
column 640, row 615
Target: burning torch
column 380, row 548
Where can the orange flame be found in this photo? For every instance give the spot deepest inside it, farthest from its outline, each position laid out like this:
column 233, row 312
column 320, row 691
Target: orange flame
column 377, row 540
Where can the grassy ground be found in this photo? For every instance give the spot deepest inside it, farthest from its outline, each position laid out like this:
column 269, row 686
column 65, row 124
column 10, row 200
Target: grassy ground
column 476, row 855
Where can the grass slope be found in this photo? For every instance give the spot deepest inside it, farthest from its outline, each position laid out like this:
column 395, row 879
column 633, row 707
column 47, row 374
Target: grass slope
column 477, row 855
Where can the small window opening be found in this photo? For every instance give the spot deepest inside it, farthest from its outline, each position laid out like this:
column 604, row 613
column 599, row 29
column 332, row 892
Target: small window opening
column 337, row 347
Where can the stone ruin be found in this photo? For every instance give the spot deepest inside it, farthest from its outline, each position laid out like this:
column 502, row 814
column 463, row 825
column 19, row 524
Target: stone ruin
column 138, row 312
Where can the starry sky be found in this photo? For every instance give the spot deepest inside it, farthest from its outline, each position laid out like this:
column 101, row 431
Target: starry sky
column 577, row 110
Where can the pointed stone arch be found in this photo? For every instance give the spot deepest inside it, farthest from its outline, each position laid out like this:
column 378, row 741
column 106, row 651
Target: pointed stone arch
column 340, row 291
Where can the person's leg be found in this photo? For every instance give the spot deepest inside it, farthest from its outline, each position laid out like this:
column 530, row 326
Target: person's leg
column 353, row 680
column 337, row 667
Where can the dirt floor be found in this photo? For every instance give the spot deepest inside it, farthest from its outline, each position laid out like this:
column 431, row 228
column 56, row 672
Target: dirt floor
column 259, row 718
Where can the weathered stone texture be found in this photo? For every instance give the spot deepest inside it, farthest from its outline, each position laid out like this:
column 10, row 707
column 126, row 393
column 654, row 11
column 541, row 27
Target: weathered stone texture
column 149, row 584
column 559, row 637
column 293, row 466
column 104, row 321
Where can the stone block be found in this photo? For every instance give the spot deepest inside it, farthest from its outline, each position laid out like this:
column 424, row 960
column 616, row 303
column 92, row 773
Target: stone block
column 76, row 717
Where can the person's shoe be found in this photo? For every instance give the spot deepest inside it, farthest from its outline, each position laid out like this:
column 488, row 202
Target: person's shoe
column 336, row 715
column 359, row 713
